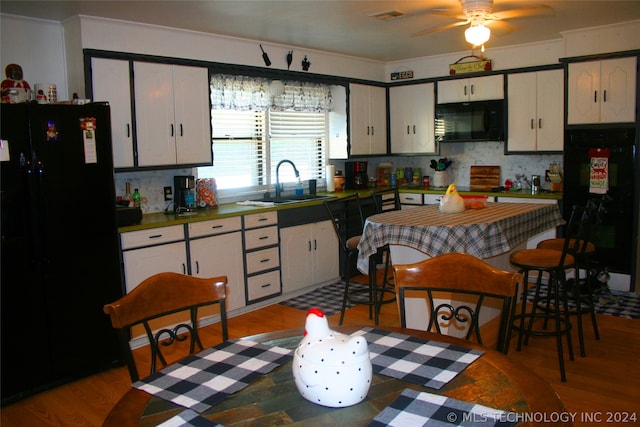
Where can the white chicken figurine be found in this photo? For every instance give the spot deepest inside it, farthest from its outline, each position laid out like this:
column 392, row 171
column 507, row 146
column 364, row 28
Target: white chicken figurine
column 330, row 368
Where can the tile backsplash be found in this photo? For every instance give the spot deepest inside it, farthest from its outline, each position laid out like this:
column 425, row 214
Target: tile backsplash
column 151, row 184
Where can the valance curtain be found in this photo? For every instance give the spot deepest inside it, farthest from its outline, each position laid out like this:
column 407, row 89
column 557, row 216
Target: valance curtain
column 243, row 93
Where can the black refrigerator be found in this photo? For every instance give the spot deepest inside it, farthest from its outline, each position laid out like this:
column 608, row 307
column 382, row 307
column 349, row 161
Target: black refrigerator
column 60, row 252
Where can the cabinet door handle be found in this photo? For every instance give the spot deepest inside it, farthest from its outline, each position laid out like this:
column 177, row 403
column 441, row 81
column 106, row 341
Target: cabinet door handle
column 368, row 130
column 197, row 267
column 533, row 125
column 184, row 268
column 414, row 129
column 604, row 98
column 128, row 130
column 465, row 90
column 408, row 129
column 595, row 96
column 372, row 130
column 172, row 134
column 181, row 130
column 315, row 245
column 473, row 89
column 539, row 123
column 309, row 245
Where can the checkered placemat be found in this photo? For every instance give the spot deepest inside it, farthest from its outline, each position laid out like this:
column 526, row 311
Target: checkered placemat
column 202, row 380
column 327, row 298
column 188, row 418
column 429, row 363
column 414, row 408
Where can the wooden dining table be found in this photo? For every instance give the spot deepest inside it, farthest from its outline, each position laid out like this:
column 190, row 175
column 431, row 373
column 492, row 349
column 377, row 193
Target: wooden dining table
column 488, row 232
column 492, row 380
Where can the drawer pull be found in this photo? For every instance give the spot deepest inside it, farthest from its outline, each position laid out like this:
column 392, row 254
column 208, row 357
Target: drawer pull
column 263, row 219
column 266, row 285
column 217, row 226
column 263, row 237
column 155, row 236
column 265, row 260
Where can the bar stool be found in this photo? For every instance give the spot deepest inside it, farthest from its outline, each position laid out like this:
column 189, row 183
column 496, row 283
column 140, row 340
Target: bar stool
column 348, row 222
column 554, row 263
column 583, row 261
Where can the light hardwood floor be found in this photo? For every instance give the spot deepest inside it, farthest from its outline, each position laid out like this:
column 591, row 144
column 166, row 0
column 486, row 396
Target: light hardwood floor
column 606, row 381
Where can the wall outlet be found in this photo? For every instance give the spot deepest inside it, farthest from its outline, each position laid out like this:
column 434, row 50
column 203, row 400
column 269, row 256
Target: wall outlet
column 168, row 194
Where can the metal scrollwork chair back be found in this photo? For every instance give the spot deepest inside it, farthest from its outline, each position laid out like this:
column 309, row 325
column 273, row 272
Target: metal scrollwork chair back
column 457, row 287
column 162, row 295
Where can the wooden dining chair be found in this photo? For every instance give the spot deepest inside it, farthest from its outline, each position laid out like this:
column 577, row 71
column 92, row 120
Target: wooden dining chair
column 458, row 289
column 159, row 296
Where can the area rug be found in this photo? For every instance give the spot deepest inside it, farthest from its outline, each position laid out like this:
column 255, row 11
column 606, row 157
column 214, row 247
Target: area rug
column 328, row 298
column 615, row 303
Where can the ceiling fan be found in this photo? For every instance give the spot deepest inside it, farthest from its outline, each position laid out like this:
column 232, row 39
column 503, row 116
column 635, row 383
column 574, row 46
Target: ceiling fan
column 480, row 15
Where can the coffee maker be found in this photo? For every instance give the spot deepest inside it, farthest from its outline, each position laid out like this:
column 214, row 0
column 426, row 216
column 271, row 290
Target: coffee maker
column 355, row 176
column 184, row 193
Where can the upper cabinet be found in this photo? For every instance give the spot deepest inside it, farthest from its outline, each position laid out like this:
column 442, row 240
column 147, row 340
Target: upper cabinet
column 472, row 89
column 111, row 82
column 368, row 118
column 411, row 109
column 602, row 91
column 172, row 114
column 536, row 113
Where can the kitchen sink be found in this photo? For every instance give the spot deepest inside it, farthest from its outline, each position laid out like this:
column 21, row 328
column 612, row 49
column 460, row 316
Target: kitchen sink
column 294, row 198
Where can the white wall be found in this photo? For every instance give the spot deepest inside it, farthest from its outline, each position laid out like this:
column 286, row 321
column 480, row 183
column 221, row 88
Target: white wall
column 37, row 46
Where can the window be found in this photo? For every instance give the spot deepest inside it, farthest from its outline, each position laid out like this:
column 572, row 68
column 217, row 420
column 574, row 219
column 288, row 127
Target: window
column 257, row 123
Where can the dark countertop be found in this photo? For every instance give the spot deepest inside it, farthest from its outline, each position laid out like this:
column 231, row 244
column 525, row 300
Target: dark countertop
column 161, row 219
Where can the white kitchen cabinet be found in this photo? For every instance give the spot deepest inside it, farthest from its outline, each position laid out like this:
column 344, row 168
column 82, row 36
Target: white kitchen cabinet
column 472, row 89
column 411, row 109
column 309, row 255
column 111, row 82
column 602, row 91
column 536, row 111
column 215, row 249
column 172, row 114
column 152, row 251
column 262, row 256
column 368, row 118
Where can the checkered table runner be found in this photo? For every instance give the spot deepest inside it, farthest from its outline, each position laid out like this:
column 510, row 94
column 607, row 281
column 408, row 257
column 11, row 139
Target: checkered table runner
column 483, row 233
column 202, row 380
column 188, row 418
column 429, row 363
column 414, row 408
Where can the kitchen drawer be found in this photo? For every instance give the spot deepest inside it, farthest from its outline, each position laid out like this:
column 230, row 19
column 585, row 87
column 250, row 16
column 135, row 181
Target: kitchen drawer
column 261, row 219
column 263, row 285
column 410, row 198
column 262, row 260
column 213, row 227
column 150, row 237
column 260, row 237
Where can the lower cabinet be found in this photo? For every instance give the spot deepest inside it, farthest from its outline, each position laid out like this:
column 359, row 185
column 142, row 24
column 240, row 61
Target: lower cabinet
column 309, row 255
column 148, row 252
column 262, row 256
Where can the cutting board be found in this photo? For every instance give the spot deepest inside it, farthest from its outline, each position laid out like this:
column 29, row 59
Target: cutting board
column 483, row 178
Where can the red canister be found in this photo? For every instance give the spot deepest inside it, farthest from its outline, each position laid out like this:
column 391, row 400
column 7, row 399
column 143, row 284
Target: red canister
column 425, row 181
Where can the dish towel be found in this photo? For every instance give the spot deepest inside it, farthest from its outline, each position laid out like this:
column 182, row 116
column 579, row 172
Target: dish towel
column 202, row 380
column 414, row 408
column 429, row 363
column 599, row 170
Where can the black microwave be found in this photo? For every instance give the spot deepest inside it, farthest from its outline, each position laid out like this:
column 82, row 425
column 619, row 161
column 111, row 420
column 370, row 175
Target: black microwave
column 470, row 121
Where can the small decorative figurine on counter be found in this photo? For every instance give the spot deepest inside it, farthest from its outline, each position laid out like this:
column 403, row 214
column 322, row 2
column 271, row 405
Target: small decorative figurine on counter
column 14, row 89
column 330, row 368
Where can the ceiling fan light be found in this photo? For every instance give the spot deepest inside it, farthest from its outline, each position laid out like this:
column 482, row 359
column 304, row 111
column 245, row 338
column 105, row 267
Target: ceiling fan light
column 477, row 35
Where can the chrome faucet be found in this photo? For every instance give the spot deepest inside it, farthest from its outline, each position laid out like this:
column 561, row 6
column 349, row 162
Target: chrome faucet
column 278, row 188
